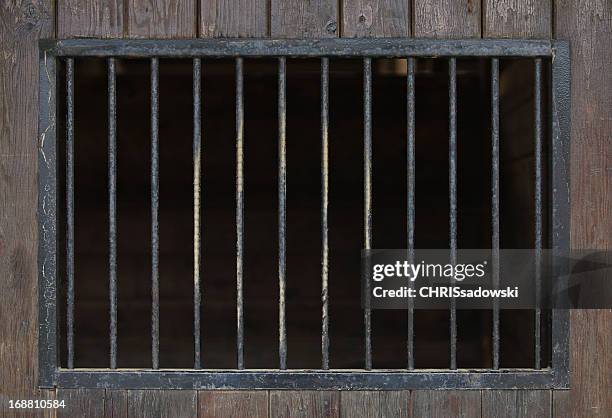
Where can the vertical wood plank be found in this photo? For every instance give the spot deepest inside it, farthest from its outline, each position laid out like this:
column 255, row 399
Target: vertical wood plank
column 588, row 26
column 447, row 19
column 81, row 403
column 517, row 18
column 304, row 404
column 90, row 18
column 375, row 18
column 446, row 403
column 516, row 403
column 162, row 19
column 116, row 403
column 23, row 23
column 304, row 19
column 247, row 404
column 375, row 404
column 234, row 18
column 166, row 403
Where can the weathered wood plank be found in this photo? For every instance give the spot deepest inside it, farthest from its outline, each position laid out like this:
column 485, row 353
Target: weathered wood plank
column 375, row 18
column 234, row 18
column 517, row 18
column 588, row 26
column 375, row 404
column 166, row 403
column 516, row 403
column 247, row 404
column 90, row 18
column 23, row 23
column 304, row 404
column 116, row 404
column 447, row 19
column 162, row 19
column 81, row 402
column 438, row 403
column 304, row 19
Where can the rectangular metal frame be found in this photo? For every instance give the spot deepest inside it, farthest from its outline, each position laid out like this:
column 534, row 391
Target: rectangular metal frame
column 50, row 372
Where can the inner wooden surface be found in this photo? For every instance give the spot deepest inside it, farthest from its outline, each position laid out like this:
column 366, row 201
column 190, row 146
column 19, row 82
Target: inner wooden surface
column 303, row 209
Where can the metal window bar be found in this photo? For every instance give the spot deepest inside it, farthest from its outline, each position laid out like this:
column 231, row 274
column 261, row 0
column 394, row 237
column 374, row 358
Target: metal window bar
column 495, row 202
column 53, row 374
column 538, row 205
column 239, row 213
column 155, row 212
column 282, row 203
column 411, row 157
column 197, row 195
column 452, row 195
column 324, row 212
column 112, row 210
column 70, row 209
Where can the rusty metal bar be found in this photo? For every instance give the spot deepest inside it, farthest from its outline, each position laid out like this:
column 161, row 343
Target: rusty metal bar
column 495, row 201
column 282, row 204
column 324, row 211
column 70, row 210
column 197, row 175
column 239, row 212
column 155, row 212
column 452, row 168
column 537, row 118
column 367, row 213
column 112, row 208
column 410, row 203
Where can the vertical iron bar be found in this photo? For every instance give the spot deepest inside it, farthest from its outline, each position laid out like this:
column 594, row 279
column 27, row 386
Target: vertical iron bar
column 411, row 209
column 452, row 161
column 197, row 173
column 155, row 211
column 70, row 208
column 367, row 156
column 324, row 210
column 112, row 208
column 239, row 211
column 282, row 203
column 538, row 203
column 495, row 200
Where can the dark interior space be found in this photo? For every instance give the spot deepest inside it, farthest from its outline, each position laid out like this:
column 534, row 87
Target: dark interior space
column 218, row 211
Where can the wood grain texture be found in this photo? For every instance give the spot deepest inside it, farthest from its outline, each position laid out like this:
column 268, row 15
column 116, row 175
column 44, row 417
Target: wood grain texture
column 517, row 18
column 375, row 18
column 304, row 404
column 375, row 404
column 23, row 23
column 81, row 403
column 89, row 18
column 162, row 403
column 446, row 403
column 304, row 19
column 516, row 403
column 234, row 18
column 447, row 18
column 588, row 26
column 116, row 403
column 162, row 19
column 247, row 404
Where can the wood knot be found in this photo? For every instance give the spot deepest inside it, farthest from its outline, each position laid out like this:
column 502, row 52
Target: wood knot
column 331, row 26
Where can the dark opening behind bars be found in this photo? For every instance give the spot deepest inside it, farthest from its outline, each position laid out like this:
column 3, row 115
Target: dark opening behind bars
column 541, row 375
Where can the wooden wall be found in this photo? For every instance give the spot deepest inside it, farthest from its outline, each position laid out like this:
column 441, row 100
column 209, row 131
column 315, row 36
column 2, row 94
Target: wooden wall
column 587, row 23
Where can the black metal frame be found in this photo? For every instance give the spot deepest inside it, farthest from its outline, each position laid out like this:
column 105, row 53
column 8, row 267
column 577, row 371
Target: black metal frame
column 50, row 372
